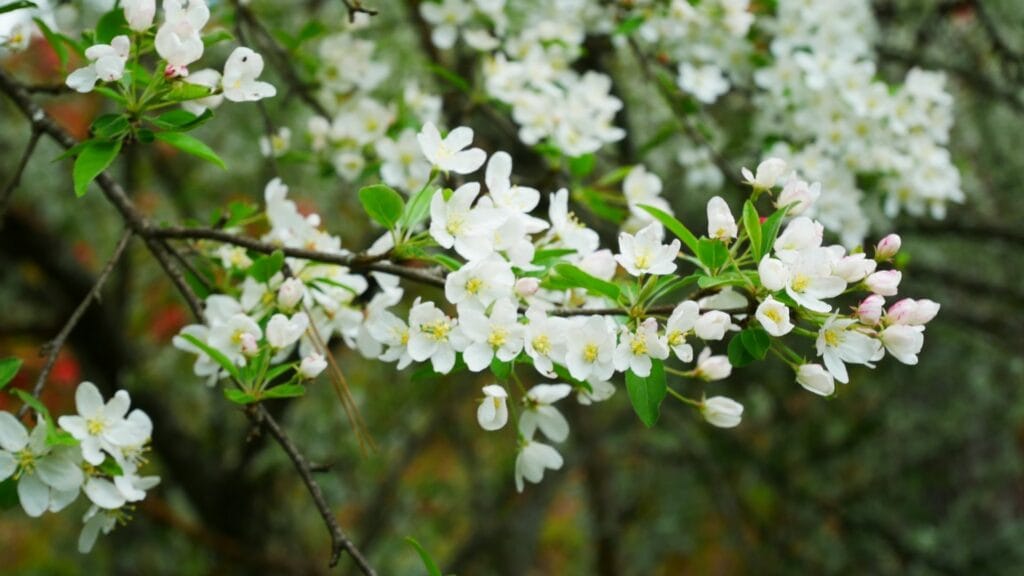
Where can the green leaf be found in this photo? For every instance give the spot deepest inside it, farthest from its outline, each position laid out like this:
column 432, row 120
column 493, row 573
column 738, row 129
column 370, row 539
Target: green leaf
column 108, row 126
column 92, row 160
column 8, row 370
column 547, row 257
column 191, row 145
column 756, row 341
column 712, row 253
column 450, row 77
column 599, row 205
column 418, row 207
column 216, row 355
column 428, row 562
column 726, row 279
column 770, row 231
column 646, row 394
column 20, row 4
column 238, row 396
column 446, row 261
column 581, row 166
column 110, row 25
column 629, row 25
column 237, row 212
column 182, row 91
column 581, row 279
column 383, row 204
column 673, row 225
column 738, row 354
column 264, row 268
column 285, row 391
column 752, row 224
column 54, row 436
column 181, row 120
column 110, row 467
column 216, row 37
column 313, row 29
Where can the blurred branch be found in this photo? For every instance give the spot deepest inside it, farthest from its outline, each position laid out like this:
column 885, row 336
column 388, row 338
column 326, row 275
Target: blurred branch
column 8, row 191
column 356, row 7
column 54, row 346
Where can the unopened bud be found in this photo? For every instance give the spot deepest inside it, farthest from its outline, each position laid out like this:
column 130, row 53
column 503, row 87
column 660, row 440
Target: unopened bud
column 249, row 345
column 290, row 293
column 886, row 282
column 888, row 247
column 312, row 365
column 870, row 310
column 527, row 287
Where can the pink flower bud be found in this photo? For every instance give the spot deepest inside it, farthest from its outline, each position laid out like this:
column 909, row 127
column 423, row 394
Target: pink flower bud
column 912, row 312
column 870, row 310
column 886, row 282
column 799, row 194
column 527, row 287
column 290, row 293
column 888, row 247
column 249, row 345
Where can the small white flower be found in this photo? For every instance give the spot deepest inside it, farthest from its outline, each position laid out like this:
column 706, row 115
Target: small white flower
column 481, row 281
column 544, row 340
column 679, row 324
column 814, row 378
column 312, row 365
column 498, row 334
column 636, row 349
column 493, row 411
column 773, row 273
column 566, row 229
column 540, row 413
column 645, row 254
column 535, row 457
column 854, row 268
column 768, row 173
column 722, row 412
column 139, row 14
column 712, row 325
column 774, row 317
column 431, row 336
column 811, row 281
column 456, row 223
column 706, row 83
column 283, row 331
column 839, row 343
column 102, row 427
column 277, row 144
column 721, row 224
column 391, row 331
column 903, row 342
column 448, row 154
column 798, row 195
column 591, row 349
column 49, row 478
column 106, row 63
column 241, row 70
column 712, row 368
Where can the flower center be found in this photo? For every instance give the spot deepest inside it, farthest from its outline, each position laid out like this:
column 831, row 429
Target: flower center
column 498, row 337
column 590, row 353
column 437, row 330
column 455, row 224
column 643, row 260
column 773, row 315
column 676, row 337
column 95, row 426
column 832, row 338
column 638, row 346
column 542, row 344
column 474, row 285
column 800, row 282
column 26, row 461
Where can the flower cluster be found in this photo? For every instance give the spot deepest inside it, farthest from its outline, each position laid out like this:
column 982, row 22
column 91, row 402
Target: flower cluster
column 541, row 292
column 179, row 43
column 97, row 452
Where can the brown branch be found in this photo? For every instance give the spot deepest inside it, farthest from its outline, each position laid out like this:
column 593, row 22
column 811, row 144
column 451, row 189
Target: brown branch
column 53, row 347
column 8, row 191
column 339, row 541
column 160, row 250
column 356, row 7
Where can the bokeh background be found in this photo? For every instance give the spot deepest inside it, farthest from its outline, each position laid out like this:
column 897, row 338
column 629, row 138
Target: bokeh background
column 909, row 470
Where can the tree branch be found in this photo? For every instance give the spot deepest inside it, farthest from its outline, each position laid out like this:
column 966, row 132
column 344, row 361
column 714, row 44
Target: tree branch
column 5, row 196
column 54, row 346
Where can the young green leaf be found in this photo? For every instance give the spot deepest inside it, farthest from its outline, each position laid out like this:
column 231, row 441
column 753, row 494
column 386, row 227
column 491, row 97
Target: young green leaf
column 674, row 226
column 183, row 91
column 383, row 204
column 428, row 562
column 752, row 224
column 181, row 120
column 285, row 391
column 738, row 354
column 238, row 396
column 581, row 166
column 712, row 253
column 264, row 268
column 501, row 370
column 8, row 370
column 56, row 41
column 111, row 24
column 191, row 145
column 418, row 207
column 11, row 7
column 581, row 279
column 216, row 37
column 756, row 341
column 646, row 394
column 770, row 230
column 92, row 160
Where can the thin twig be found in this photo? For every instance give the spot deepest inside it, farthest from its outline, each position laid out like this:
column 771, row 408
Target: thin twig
column 53, row 347
column 339, row 540
column 8, row 191
column 355, row 7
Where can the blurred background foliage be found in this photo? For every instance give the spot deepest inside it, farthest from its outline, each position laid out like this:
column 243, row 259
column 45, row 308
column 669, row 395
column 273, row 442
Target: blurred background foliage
column 906, row 471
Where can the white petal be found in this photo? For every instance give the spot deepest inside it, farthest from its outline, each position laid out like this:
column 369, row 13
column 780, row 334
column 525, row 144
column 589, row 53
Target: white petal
column 7, row 465
column 88, row 400
column 34, row 495
column 13, row 436
column 103, row 493
column 59, row 472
